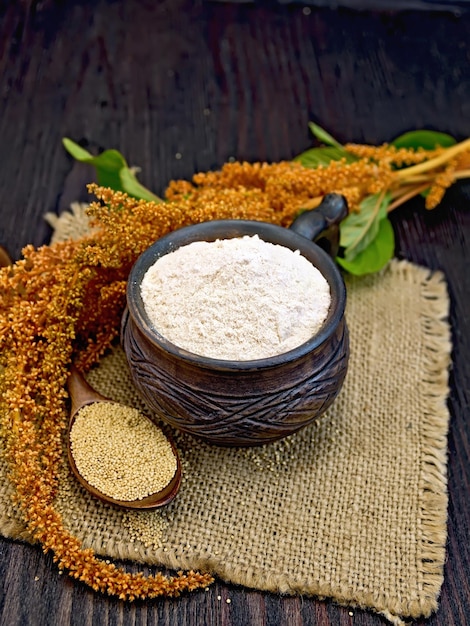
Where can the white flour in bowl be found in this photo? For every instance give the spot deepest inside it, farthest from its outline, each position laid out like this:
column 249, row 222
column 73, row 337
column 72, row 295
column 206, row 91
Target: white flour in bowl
column 235, row 299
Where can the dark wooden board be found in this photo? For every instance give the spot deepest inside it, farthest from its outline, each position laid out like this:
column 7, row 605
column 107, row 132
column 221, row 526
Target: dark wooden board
column 181, row 87
column 454, row 6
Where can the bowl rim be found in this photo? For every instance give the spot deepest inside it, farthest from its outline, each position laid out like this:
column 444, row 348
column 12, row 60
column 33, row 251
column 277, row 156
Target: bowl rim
column 225, row 229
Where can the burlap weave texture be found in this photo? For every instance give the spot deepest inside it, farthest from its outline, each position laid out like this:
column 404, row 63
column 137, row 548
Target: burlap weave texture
column 352, row 508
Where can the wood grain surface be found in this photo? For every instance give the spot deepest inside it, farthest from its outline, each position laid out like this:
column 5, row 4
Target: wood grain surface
column 181, row 87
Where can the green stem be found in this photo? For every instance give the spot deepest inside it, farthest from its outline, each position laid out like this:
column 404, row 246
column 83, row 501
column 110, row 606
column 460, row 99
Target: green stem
column 436, row 161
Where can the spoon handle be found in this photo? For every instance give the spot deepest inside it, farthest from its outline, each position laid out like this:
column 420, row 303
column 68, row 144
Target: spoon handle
column 81, row 393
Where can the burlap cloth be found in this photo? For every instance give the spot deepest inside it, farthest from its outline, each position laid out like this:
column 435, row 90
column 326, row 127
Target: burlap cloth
column 352, row 508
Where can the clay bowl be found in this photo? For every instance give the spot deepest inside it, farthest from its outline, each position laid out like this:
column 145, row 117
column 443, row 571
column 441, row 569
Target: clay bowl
column 243, row 403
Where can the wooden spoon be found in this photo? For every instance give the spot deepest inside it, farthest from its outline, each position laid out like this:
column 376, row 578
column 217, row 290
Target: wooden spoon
column 81, row 394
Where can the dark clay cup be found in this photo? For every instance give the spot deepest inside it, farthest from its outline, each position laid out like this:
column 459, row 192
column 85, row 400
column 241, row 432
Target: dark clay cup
column 243, row 403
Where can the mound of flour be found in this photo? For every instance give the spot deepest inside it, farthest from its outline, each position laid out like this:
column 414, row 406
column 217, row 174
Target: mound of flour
column 235, row 299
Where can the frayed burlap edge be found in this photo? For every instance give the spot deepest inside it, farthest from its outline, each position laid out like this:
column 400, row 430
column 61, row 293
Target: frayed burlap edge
column 435, row 390
column 71, row 224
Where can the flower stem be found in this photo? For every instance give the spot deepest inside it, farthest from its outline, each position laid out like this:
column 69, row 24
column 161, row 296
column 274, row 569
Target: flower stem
column 435, row 162
column 407, row 196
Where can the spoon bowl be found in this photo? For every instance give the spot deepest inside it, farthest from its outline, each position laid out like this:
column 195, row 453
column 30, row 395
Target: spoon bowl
column 82, row 394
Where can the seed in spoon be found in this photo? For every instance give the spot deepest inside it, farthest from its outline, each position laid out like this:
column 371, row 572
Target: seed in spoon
column 120, row 452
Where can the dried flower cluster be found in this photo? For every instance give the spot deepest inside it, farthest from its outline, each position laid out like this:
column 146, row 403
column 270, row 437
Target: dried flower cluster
column 280, row 190
column 63, row 303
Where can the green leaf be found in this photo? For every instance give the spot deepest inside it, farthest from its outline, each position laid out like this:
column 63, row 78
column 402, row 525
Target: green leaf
column 426, row 139
column 75, row 150
column 323, row 136
column 111, row 170
column 322, row 156
column 108, row 166
column 131, row 185
column 377, row 254
column 358, row 230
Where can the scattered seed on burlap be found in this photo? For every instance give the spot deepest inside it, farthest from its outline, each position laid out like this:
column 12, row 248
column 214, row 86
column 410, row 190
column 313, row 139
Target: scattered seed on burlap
column 146, row 526
column 120, row 452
